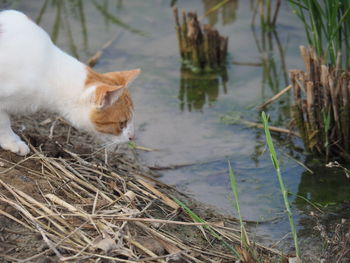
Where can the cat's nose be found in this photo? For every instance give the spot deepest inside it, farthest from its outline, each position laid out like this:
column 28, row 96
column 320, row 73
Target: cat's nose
column 130, row 132
column 131, row 137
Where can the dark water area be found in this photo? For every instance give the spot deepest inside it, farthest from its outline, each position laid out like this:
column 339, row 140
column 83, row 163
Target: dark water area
column 191, row 119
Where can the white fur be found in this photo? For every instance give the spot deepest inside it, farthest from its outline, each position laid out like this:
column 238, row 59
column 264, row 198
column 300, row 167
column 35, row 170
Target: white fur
column 35, row 74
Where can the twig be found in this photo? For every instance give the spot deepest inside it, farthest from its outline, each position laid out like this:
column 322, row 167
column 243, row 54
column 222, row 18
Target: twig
column 298, row 162
column 30, row 259
column 52, row 128
column 14, row 165
column 84, row 199
column 8, row 258
column 146, row 250
column 178, row 166
column 48, row 241
column 274, row 98
column 91, row 62
column 171, row 167
column 13, row 218
column 146, row 149
column 249, row 64
column 271, row 128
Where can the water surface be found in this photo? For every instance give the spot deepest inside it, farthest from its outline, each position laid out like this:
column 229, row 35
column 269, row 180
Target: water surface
column 181, row 114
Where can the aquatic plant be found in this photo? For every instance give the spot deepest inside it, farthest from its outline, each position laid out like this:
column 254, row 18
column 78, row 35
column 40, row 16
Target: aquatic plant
column 197, row 91
column 268, row 17
column 226, row 9
column 201, row 49
column 244, row 236
column 321, row 95
column 327, row 28
column 274, row 70
column 321, row 107
column 66, row 11
column 247, row 252
column 273, row 64
column 284, row 191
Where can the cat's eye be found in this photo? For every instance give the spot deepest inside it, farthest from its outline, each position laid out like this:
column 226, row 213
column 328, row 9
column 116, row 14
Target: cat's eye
column 123, row 124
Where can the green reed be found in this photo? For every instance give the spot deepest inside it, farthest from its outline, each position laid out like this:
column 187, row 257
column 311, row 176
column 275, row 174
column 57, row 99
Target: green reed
column 196, row 218
column 244, row 236
column 284, row 191
column 326, row 117
column 327, row 27
column 268, row 15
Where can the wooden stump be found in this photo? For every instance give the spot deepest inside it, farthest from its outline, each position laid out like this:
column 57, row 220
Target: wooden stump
column 201, row 49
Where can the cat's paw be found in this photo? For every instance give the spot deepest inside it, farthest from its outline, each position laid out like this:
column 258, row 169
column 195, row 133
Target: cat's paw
column 16, row 146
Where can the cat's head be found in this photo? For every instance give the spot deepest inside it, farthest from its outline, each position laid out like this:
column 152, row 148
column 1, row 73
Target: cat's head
column 112, row 111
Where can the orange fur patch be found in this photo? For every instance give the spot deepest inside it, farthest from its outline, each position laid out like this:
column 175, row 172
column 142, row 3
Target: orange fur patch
column 102, row 90
column 110, row 78
column 94, row 77
column 114, row 118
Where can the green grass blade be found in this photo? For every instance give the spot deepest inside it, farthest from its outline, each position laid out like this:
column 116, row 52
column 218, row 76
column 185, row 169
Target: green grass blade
column 315, row 205
column 280, row 179
column 216, row 7
column 327, row 28
column 273, row 154
column 244, row 235
column 197, row 219
column 295, row 3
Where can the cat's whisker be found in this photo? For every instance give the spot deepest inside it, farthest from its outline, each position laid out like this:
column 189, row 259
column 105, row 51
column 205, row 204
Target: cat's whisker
column 110, row 145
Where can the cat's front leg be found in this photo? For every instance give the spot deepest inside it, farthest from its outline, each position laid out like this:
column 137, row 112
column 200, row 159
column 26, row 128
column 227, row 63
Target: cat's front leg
column 8, row 139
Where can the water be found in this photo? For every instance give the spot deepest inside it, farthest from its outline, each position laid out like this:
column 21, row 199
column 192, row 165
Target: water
column 181, row 115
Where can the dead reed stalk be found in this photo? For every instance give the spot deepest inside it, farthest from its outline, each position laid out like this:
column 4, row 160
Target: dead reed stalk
column 201, row 49
column 321, row 106
column 86, row 211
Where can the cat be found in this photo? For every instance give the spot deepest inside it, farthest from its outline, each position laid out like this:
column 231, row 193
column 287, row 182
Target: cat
column 36, row 74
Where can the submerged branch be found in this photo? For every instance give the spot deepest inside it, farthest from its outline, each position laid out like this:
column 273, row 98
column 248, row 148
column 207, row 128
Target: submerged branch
column 271, row 128
column 92, row 61
column 274, row 98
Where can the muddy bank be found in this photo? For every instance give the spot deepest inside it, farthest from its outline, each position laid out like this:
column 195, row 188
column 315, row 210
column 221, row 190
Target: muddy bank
column 72, row 201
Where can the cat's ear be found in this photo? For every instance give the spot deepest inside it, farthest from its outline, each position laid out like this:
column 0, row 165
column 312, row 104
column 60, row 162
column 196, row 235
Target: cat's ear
column 123, row 77
column 106, row 95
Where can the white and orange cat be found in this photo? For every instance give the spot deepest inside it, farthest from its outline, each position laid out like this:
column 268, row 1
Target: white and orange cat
column 36, row 74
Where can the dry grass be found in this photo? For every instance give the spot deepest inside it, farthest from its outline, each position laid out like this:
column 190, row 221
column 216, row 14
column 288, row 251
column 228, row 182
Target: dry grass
column 321, row 106
column 83, row 210
column 336, row 238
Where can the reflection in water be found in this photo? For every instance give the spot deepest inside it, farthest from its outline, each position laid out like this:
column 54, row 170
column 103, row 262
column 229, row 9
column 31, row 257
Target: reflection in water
column 198, row 90
column 330, row 188
column 228, row 11
column 194, row 94
column 111, row 17
column 259, row 147
column 326, row 186
column 266, row 45
column 274, row 71
column 64, row 11
column 62, row 20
